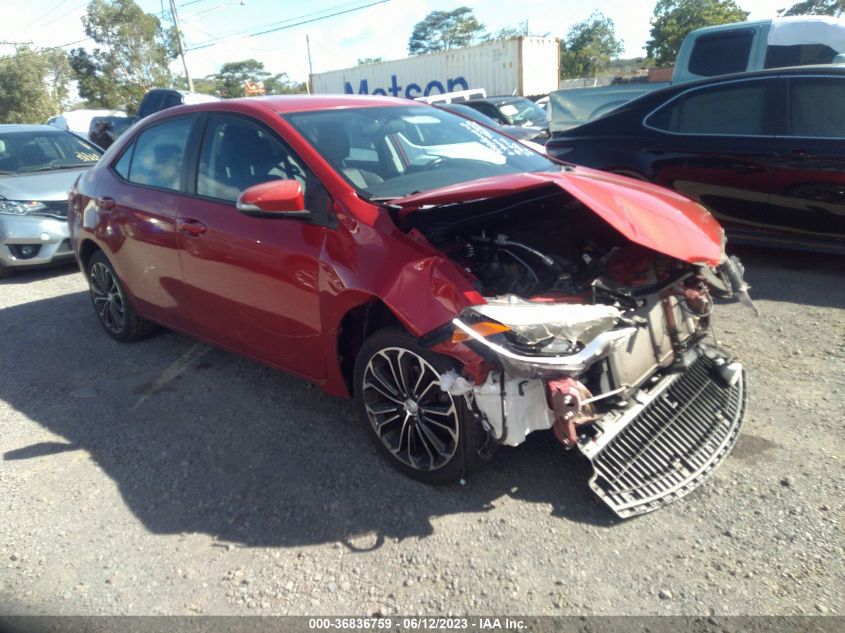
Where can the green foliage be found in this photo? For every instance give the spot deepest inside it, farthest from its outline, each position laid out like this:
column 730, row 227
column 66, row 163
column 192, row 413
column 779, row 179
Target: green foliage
column 229, row 82
column 33, row 85
column 281, row 84
column 589, row 46
column 508, row 32
column 442, row 30
column 369, row 60
column 134, row 55
column 815, row 7
column 674, row 19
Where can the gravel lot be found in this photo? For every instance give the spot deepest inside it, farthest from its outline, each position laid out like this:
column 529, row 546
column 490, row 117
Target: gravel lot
column 168, row 477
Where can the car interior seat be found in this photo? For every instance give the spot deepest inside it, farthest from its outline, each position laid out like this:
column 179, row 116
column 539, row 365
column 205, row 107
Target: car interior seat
column 332, row 139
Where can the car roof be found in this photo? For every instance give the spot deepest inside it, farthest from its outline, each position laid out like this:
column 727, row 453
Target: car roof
column 284, row 104
column 498, row 100
column 833, row 70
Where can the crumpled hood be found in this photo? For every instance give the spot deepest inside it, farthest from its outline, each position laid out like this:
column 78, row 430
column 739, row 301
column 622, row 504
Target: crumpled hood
column 45, row 186
column 646, row 214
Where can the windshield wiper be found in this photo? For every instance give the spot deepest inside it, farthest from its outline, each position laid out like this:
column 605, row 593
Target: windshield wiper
column 53, row 168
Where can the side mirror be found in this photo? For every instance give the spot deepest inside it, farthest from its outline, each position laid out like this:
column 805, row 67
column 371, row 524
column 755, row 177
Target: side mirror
column 274, row 199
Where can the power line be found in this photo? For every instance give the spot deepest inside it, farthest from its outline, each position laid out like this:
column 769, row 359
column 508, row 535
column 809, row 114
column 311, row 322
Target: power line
column 285, row 21
column 44, row 15
column 67, row 13
column 288, row 26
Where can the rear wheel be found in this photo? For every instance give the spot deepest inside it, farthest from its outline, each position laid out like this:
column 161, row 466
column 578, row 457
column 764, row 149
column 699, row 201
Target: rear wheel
column 113, row 309
column 425, row 432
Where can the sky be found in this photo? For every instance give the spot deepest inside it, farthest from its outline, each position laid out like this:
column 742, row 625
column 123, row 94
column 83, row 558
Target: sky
column 381, row 30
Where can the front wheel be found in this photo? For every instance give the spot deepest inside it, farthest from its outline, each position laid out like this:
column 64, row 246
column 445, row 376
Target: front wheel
column 425, row 432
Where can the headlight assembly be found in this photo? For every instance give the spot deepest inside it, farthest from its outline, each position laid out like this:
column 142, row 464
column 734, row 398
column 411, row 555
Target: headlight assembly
column 21, row 207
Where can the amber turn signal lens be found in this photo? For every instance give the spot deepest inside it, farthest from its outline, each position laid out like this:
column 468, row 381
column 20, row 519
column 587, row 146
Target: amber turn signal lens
column 484, row 328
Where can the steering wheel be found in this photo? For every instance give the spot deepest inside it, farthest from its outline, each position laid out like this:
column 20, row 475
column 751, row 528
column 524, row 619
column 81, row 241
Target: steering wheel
column 434, row 163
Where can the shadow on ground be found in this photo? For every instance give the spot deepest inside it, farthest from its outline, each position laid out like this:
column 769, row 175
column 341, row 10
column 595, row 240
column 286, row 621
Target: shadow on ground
column 805, row 278
column 200, row 440
column 24, row 276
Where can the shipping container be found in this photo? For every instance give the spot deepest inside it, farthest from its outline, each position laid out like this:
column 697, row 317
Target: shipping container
column 518, row 66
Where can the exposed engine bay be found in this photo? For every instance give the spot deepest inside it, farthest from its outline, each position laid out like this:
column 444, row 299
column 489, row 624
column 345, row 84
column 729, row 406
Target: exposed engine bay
column 604, row 341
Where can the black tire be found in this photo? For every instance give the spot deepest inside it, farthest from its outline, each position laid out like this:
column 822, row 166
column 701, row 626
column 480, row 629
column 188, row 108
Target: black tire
column 6, row 271
column 424, row 432
column 111, row 305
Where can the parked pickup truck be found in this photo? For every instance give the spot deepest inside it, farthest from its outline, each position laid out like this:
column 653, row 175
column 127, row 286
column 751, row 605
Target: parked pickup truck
column 712, row 51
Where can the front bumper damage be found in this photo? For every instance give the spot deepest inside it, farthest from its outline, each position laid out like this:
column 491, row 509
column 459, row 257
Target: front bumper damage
column 652, row 436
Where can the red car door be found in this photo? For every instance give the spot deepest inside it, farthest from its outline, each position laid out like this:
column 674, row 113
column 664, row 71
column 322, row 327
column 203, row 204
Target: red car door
column 251, row 283
column 141, row 198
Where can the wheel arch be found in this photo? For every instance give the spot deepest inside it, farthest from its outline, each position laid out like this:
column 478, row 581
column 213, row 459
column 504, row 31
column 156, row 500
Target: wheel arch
column 354, row 327
column 86, row 249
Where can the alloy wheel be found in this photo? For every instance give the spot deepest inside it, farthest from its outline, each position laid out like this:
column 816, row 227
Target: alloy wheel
column 414, row 419
column 108, row 299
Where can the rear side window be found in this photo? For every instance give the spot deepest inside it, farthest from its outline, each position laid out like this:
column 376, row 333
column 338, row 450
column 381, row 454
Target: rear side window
column 721, row 54
column 817, row 107
column 729, row 109
column 159, row 155
column 799, row 55
column 150, row 103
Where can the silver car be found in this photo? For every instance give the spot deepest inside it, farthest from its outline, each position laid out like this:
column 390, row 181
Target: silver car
column 38, row 165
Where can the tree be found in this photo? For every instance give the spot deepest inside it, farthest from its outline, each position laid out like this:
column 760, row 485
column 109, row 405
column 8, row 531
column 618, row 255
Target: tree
column 815, row 7
column 134, row 57
column 281, row 84
column 232, row 76
column 674, row 19
column 441, row 30
column 507, row 32
column 588, row 47
column 368, row 60
column 33, row 85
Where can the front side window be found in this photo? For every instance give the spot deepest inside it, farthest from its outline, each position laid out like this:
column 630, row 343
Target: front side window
column 24, row 152
column 237, row 154
column 159, row 155
column 721, row 54
column 817, row 107
column 729, row 109
column 418, row 148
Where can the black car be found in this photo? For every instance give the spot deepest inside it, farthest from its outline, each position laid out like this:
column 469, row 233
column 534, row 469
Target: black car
column 519, row 111
column 519, row 132
column 764, row 151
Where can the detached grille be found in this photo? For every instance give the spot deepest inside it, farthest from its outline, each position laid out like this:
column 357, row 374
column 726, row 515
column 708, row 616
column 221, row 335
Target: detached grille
column 672, row 444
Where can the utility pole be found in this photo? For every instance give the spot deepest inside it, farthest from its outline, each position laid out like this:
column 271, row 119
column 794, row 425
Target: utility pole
column 181, row 44
column 310, row 69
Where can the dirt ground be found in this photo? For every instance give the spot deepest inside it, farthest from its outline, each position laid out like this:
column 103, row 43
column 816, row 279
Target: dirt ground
column 168, row 477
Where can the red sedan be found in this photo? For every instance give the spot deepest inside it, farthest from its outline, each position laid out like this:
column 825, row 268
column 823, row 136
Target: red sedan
column 462, row 288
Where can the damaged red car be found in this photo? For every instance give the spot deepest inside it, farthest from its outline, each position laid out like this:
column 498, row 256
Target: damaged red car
column 464, row 289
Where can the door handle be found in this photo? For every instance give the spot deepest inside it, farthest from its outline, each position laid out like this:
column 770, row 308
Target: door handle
column 105, row 202
column 189, row 226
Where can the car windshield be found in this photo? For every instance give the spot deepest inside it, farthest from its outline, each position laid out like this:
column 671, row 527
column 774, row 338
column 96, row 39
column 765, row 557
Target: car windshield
column 523, row 112
column 389, row 152
column 470, row 113
column 23, row 152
